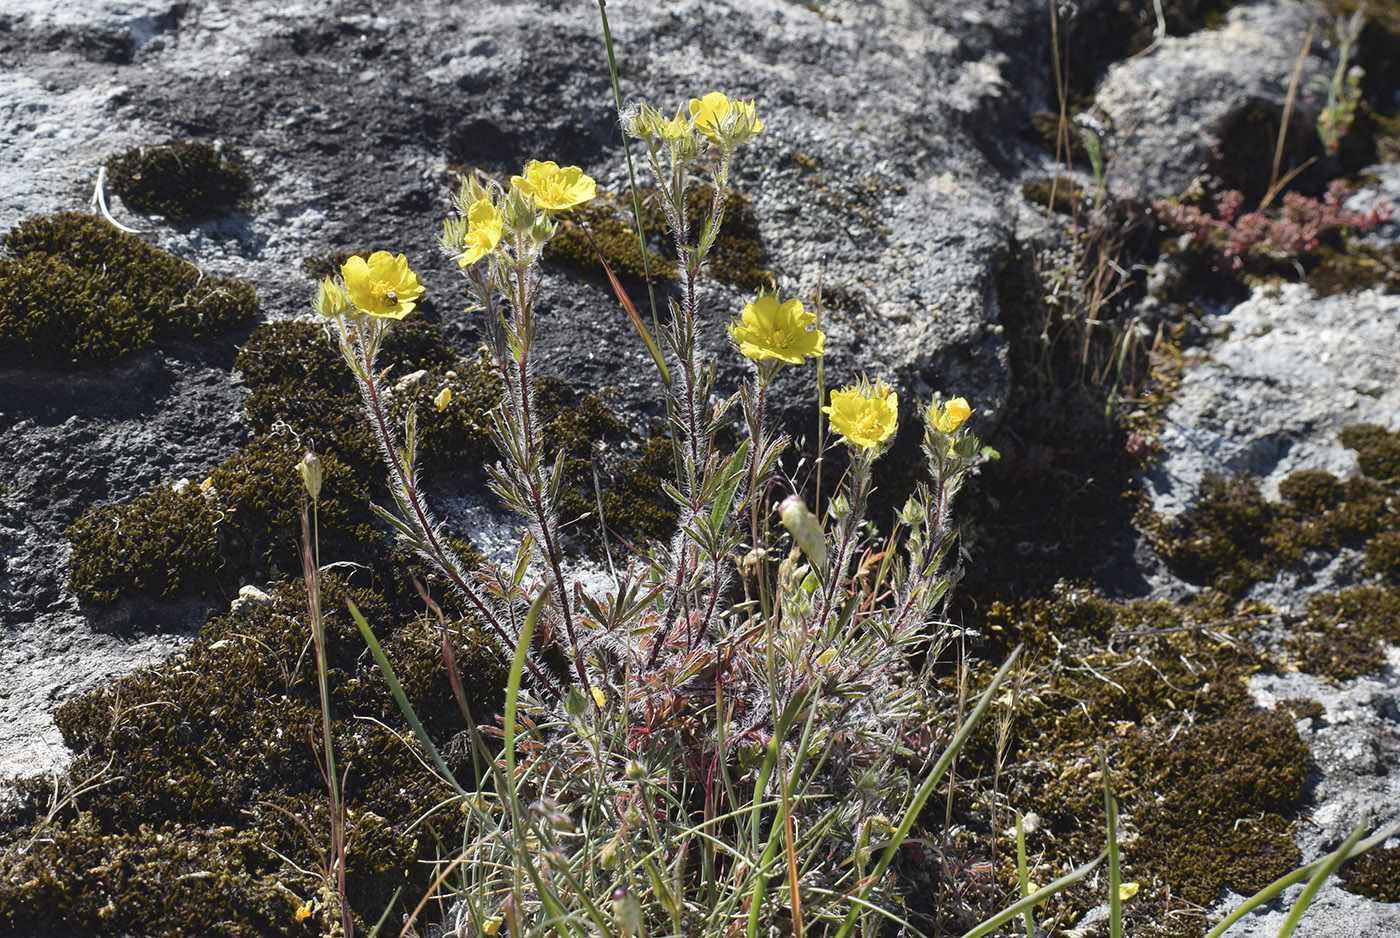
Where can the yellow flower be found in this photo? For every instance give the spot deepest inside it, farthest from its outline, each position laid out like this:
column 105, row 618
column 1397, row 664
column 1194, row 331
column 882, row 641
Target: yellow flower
column 785, row 332
column 950, row 416
column 1126, row 891
column 492, row 925
column 719, row 118
column 304, row 910
column 483, row 232
column 382, row 286
column 444, row 397
column 555, row 189
column 676, row 128
column 865, row 414
column 599, row 698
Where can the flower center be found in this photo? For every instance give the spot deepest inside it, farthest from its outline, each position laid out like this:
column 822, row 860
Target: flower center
column 382, row 290
column 868, row 422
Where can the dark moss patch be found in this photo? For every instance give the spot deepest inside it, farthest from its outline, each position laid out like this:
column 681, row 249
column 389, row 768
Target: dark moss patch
column 182, row 179
column 736, row 258
column 1207, row 782
column 217, row 744
column 260, row 493
column 1375, row 876
column 1336, row 650
column 1231, row 537
column 247, row 525
column 633, row 503
column 1311, row 491
column 609, row 220
column 1302, row 708
column 1355, row 267
column 1222, row 540
column 1060, row 194
column 75, row 290
column 1377, row 450
column 162, row 543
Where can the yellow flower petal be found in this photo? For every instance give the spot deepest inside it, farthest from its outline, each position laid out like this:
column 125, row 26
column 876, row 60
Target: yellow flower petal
column 783, row 332
column 381, row 285
column 599, row 698
column 1126, row 891
column 484, row 228
column 552, row 188
column 444, row 397
column 866, row 415
column 951, row 415
column 721, row 118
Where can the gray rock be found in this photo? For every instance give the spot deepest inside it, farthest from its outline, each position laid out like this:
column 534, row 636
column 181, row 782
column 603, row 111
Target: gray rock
column 877, row 176
column 1166, row 109
column 1286, row 371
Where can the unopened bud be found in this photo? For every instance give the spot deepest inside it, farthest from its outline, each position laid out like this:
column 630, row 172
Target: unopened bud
column 310, row 468
column 805, row 529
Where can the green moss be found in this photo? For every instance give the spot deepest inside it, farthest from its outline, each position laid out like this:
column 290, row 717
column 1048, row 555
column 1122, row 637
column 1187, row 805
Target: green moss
column 1060, row 194
column 260, row 493
column 80, row 880
column 296, row 378
column 634, row 504
column 1223, row 539
column 1375, row 876
column 736, row 258
column 1231, row 537
column 609, row 220
column 1383, row 556
column 1355, row 267
column 1311, row 491
column 182, row 179
column 458, row 436
column 217, row 745
column 162, row 543
column 1207, row 782
column 1377, row 450
column 1335, row 650
column 75, row 290
column 1302, row 708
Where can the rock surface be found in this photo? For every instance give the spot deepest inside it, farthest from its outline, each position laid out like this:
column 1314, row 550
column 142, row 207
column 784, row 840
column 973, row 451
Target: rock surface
column 876, row 178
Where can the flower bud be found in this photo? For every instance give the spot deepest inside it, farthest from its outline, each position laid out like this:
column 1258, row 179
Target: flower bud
column 311, row 475
column 635, row 770
column 331, row 299
column 805, row 529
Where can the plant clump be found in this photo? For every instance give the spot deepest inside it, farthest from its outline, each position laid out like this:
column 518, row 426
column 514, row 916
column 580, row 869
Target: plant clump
column 181, row 179
column 1267, row 241
column 162, row 543
column 206, row 788
column 75, row 290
